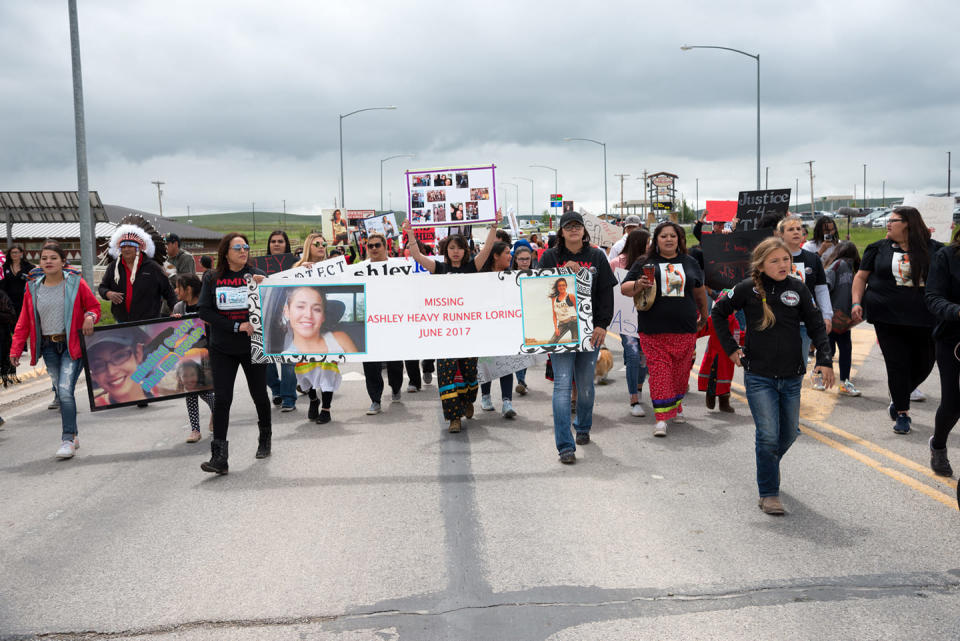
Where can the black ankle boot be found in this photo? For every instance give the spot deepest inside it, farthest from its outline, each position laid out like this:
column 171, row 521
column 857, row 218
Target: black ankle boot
column 711, row 400
column 263, row 447
column 313, row 409
column 218, row 458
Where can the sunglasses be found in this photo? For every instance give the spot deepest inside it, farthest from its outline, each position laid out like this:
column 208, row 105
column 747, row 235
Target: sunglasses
column 894, row 220
column 117, row 358
column 374, row 245
column 241, row 247
column 318, row 243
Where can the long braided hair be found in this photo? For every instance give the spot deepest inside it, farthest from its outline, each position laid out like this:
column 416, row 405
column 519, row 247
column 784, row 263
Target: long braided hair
column 760, row 254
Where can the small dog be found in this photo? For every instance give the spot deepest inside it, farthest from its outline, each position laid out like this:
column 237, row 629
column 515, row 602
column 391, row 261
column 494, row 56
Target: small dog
column 604, row 365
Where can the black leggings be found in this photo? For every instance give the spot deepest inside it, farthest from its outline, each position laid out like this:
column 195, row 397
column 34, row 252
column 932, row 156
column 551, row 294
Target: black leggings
column 842, row 348
column 326, row 398
column 949, row 411
column 224, row 368
column 909, row 358
column 373, row 375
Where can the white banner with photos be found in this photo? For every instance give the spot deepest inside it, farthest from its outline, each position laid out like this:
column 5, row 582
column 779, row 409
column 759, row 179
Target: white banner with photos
column 379, row 317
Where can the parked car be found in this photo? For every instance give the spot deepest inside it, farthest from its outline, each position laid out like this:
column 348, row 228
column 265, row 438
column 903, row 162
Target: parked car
column 880, row 221
column 867, row 221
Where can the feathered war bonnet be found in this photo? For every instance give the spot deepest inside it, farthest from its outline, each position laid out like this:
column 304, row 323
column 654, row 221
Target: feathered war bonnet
column 131, row 234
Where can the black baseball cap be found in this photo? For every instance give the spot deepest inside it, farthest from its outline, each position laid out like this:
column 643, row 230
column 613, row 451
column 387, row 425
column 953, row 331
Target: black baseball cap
column 570, row 217
column 173, row 238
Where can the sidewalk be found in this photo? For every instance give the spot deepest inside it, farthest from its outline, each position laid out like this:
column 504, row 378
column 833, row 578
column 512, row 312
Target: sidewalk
column 35, row 384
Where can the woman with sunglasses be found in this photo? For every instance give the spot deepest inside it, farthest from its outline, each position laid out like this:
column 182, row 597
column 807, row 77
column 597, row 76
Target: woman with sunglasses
column 57, row 306
column 223, row 306
column 314, row 250
column 888, row 291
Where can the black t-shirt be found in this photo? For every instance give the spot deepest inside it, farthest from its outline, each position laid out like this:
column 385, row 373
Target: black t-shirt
column 891, row 296
column 808, row 268
column 468, row 266
column 674, row 310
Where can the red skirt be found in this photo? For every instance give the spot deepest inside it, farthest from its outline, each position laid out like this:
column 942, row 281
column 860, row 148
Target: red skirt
column 669, row 357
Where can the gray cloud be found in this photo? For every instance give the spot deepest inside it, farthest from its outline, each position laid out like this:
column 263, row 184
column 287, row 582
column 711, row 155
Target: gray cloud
column 232, row 103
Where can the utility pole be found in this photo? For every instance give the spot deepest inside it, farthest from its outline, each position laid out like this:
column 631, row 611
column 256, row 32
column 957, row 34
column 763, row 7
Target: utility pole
column 253, row 213
column 865, row 185
column 696, row 205
column 158, row 183
column 284, row 212
column 810, row 164
column 646, row 197
column 621, row 176
column 948, row 174
column 883, row 194
column 766, row 183
column 796, row 197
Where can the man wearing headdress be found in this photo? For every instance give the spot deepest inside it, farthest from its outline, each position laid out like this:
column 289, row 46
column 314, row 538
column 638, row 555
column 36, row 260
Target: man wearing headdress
column 134, row 282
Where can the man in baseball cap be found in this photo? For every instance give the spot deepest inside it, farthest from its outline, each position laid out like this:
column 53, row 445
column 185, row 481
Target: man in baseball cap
column 629, row 224
column 179, row 261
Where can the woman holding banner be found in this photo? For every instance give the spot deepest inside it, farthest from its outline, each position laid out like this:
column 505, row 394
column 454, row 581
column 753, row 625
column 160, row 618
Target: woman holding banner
column 522, row 261
column 284, row 385
column 498, row 261
column 223, row 306
column 57, row 306
column 314, row 250
column 456, row 398
column 668, row 328
column 574, row 252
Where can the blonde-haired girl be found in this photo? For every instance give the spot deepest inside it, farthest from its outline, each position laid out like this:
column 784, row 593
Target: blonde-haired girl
column 774, row 306
column 314, row 250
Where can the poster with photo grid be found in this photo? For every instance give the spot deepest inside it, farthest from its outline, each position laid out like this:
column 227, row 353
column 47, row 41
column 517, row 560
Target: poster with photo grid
column 456, row 196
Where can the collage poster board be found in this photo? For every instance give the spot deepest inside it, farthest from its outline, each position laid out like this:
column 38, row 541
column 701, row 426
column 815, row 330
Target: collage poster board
column 443, row 197
column 147, row 361
column 385, row 224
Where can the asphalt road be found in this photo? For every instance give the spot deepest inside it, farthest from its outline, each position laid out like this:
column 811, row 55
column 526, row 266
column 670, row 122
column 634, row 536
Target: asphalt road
column 387, row 527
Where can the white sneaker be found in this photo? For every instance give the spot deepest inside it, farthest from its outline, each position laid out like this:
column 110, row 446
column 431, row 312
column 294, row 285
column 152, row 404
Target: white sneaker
column 916, row 396
column 847, row 389
column 486, row 403
column 508, row 411
column 679, row 417
column 411, row 389
column 637, row 410
column 818, row 381
column 660, row 429
column 67, row 449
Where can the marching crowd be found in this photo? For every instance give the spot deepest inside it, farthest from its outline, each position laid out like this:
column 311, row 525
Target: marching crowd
column 800, row 295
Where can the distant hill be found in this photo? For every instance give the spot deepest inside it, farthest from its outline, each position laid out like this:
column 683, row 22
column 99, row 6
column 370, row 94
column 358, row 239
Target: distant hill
column 244, row 220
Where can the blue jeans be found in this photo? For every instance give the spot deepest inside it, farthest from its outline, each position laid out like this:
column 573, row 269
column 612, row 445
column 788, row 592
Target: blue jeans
column 635, row 361
column 64, row 372
column 775, row 405
column 283, row 387
column 522, row 376
column 567, row 368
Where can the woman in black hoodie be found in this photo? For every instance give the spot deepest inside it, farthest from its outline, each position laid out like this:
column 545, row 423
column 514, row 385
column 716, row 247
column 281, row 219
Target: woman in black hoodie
column 774, row 305
column 223, row 306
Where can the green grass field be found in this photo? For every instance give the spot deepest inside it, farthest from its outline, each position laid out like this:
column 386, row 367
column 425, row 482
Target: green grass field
column 296, row 226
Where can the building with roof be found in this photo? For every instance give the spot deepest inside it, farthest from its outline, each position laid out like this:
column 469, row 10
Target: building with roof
column 31, row 217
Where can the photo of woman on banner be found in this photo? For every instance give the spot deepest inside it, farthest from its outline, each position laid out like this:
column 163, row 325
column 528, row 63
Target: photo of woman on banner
column 553, row 322
column 303, row 320
column 112, row 358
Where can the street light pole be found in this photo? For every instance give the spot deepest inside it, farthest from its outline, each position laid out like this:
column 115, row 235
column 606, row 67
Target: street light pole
column 556, row 187
column 383, row 160
column 865, row 204
column 529, row 180
column 749, row 55
column 88, row 237
column 342, row 116
column 606, row 206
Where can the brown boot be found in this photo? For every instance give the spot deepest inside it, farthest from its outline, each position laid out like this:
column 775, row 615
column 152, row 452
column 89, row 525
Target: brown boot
column 711, row 400
column 772, row 505
column 725, row 404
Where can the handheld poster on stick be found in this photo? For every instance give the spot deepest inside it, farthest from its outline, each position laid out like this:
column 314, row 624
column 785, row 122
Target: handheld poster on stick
column 443, row 197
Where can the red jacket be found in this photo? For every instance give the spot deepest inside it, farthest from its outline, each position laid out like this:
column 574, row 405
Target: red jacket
column 79, row 300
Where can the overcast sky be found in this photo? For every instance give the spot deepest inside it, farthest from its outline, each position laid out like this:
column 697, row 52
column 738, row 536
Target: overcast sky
column 234, row 102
